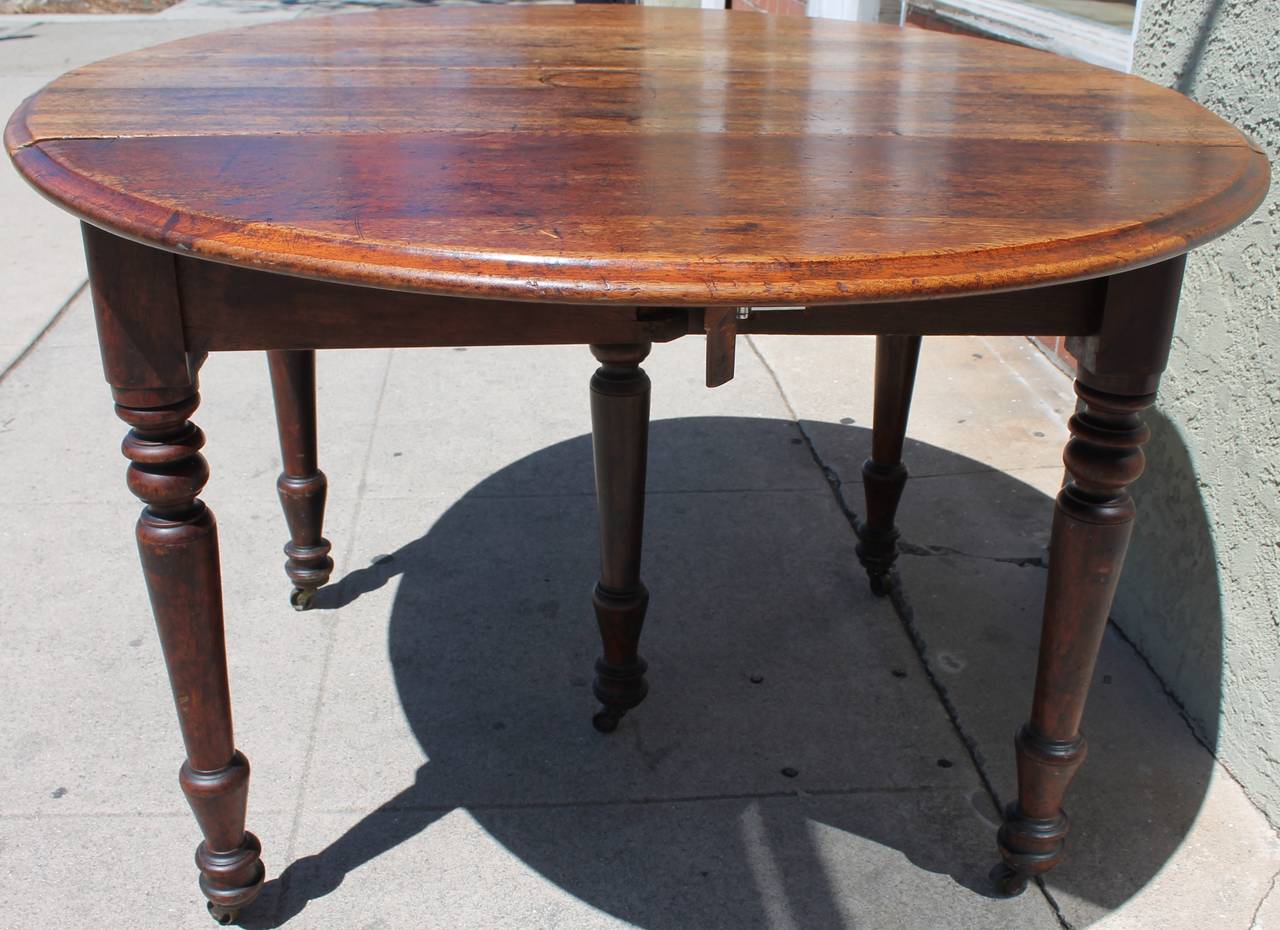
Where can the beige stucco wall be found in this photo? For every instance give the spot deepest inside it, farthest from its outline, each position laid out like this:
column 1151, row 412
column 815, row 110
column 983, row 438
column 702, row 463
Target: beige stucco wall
column 1201, row 590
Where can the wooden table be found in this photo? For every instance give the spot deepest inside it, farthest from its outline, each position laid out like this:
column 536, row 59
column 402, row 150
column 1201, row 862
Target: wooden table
column 618, row 177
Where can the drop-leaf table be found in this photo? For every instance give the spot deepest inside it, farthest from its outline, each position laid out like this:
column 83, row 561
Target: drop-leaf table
column 616, row 177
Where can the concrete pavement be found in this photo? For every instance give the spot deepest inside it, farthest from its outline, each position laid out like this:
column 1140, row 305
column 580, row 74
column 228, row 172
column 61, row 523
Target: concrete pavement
column 421, row 743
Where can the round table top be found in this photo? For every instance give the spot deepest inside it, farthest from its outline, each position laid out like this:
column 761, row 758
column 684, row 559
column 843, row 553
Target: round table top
column 636, row 155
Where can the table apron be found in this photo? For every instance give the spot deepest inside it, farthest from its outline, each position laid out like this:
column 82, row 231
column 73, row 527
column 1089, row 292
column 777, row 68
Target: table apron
column 226, row 308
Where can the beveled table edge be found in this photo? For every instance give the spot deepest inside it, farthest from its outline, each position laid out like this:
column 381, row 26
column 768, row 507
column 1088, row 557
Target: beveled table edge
column 810, row 283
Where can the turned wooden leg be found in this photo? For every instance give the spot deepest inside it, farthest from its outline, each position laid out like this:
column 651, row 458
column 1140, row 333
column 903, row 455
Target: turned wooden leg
column 620, row 439
column 1119, row 370
column 178, row 542
column 153, row 380
column 1091, row 526
column 302, row 486
column 884, row 475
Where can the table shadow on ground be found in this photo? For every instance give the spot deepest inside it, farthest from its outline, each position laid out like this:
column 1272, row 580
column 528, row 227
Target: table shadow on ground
column 491, row 640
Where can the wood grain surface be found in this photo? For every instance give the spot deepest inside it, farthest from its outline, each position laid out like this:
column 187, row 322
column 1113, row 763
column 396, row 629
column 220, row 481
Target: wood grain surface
column 618, row 154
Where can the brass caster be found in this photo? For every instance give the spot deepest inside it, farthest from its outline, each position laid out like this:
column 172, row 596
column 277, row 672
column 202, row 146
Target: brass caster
column 301, row 598
column 1008, row 881
column 879, row 584
column 606, row 720
column 223, row 915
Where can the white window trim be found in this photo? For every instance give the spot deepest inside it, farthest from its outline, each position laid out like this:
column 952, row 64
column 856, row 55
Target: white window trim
column 867, row 11
column 1072, row 36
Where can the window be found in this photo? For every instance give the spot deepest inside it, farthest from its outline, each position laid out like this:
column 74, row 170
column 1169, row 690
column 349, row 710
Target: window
column 1097, row 31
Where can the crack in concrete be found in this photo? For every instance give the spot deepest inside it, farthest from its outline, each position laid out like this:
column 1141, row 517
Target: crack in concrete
column 833, row 479
column 44, row 331
column 906, row 616
column 836, row 484
column 1266, row 895
column 1026, row 561
column 797, row 794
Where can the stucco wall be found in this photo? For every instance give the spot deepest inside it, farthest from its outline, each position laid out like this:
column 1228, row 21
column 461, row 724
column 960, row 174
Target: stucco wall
column 1201, row 591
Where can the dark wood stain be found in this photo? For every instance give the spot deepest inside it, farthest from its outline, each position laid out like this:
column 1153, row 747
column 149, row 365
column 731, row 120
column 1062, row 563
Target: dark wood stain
column 620, row 177
column 302, row 486
column 622, row 154
column 883, row 475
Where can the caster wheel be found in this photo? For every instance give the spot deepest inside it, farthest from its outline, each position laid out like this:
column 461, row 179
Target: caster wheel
column 606, row 720
column 879, row 585
column 223, row 915
column 301, row 599
column 1008, row 882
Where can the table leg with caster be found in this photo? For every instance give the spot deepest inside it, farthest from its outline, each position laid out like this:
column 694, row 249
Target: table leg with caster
column 302, row 486
column 1119, row 370
column 153, row 380
column 620, row 439
column 1092, row 523
column 884, row 475
column 178, row 544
